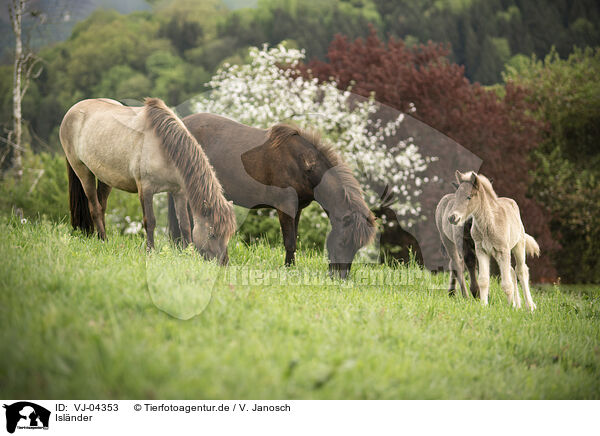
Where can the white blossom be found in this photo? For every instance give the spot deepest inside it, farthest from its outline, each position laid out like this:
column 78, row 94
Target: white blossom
column 261, row 93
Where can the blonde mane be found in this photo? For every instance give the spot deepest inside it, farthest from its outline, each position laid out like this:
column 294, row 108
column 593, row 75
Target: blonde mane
column 204, row 191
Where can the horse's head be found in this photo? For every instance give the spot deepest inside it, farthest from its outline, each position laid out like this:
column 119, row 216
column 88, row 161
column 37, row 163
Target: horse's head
column 352, row 223
column 209, row 243
column 319, row 173
column 350, row 232
column 467, row 197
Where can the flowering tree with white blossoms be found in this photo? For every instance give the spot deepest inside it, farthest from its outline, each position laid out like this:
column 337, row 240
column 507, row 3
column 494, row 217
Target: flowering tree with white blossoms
column 269, row 90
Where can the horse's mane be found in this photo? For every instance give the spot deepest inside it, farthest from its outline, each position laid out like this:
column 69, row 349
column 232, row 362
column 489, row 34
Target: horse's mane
column 486, row 185
column 203, row 189
column 363, row 230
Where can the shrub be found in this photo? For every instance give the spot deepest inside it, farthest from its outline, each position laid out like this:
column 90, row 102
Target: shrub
column 43, row 192
column 566, row 93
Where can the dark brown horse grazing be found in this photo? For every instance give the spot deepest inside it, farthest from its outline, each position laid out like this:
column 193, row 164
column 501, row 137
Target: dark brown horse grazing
column 286, row 169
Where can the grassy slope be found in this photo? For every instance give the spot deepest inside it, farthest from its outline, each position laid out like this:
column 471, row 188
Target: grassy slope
column 77, row 321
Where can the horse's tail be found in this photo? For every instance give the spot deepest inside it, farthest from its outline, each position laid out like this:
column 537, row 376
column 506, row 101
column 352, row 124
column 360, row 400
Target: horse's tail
column 531, row 246
column 204, row 192
column 81, row 218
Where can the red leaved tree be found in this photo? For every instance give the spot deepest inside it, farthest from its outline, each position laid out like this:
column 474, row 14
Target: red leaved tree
column 499, row 130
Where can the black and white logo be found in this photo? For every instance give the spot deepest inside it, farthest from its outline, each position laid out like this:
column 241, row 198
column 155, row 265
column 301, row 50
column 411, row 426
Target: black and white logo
column 26, row 415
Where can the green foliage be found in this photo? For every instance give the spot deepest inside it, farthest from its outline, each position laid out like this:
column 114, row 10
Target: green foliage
column 567, row 94
column 43, row 192
column 312, row 24
column 263, row 225
column 483, row 34
column 268, row 331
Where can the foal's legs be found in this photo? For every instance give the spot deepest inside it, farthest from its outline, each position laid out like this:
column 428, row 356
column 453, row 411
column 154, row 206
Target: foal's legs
column 149, row 219
column 471, row 262
column 103, row 193
column 288, row 229
column 457, row 266
column 516, row 294
column 523, row 274
column 452, row 285
column 483, row 280
column 503, row 259
column 88, row 182
column 183, row 217
column 448, row 246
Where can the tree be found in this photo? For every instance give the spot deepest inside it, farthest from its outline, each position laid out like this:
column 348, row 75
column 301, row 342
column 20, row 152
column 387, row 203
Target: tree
column 498, row 130
column 24, row 70
column 566, row 93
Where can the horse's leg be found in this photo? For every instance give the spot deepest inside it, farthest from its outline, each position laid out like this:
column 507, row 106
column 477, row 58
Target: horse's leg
column 471, row 263
column 103, row 193
column 288, row 230
column 483, row 279
column 452, row 285
column 516, row 294
column 523, row 274
column 449, row 247
column 88, row 182
column 296, row 221
column 181, row 210
column 503, row 259
column 458, row 266
column 149, row 218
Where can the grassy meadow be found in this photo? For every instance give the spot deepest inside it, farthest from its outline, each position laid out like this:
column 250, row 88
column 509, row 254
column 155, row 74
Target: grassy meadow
column 84, row 319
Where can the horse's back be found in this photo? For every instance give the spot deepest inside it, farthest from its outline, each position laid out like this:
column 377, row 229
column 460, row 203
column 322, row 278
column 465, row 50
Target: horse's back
column 228, row 145
column 513, row 222
column 107, row 138
column 218, row 135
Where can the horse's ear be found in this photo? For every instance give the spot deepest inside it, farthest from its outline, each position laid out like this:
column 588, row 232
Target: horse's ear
column 458, row 176
column 491, row 180
column 456, row 185
column 474, row 180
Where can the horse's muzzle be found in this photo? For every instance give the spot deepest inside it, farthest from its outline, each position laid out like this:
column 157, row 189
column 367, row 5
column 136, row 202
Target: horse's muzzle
column 454, row 219
column 339, row 270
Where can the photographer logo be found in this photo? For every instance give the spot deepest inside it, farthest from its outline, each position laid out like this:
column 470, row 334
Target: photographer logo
column 25, row 415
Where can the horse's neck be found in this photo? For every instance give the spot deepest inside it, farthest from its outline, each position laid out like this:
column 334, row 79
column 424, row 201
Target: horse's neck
column 330, row 195
column 484, row 215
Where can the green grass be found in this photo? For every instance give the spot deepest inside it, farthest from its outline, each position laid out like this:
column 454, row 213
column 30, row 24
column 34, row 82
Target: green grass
column 78, row 319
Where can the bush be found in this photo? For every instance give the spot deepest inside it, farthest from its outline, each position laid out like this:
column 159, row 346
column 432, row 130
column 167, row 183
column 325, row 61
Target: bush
column 43, row 192
column 566, row 93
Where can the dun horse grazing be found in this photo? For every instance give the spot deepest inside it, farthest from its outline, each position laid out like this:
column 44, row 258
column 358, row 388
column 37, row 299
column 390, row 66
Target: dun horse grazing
column 145, row 150
column 458, row 244
column 497, row 231
column 286, row 168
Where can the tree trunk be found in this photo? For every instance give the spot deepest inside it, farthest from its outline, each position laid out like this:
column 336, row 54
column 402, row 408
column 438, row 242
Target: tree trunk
column 16, row 17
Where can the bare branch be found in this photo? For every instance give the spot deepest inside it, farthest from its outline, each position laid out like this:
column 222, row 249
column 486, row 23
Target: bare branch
column 28, row 73
column 8, row 138
column 12, row 144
